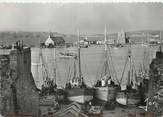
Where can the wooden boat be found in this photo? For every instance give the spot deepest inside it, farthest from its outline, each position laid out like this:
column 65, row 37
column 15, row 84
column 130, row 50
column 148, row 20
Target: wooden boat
column 66, row 55
column 49, row 88
column 76, row 89
column 105, row 88
column 143, row 74
column 117, row 46
column 106, row 93
column 130, row 95
column 80, row 95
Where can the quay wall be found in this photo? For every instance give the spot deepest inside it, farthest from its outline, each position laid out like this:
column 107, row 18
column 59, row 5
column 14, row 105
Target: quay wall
column 6, row 100
column 21, row 90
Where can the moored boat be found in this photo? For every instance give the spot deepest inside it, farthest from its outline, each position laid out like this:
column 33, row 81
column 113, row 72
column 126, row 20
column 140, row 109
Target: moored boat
column 76, row 89
column 105, row 88
column 66, row 55
column 80, row 95
column 131, row 97
column 49, row 90
column 106, row 93
column 129, row 94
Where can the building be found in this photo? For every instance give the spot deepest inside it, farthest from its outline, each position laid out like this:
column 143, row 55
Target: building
column 49, row 41
column 53, row 41
column 84, row 43
column 121, row 37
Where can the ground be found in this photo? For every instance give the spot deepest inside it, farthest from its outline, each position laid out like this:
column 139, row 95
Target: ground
column 124, row 112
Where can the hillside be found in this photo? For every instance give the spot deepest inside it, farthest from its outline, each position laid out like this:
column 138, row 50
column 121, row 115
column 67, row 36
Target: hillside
column 34, row 38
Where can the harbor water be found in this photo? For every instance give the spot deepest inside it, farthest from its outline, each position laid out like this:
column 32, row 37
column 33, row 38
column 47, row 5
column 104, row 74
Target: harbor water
column 91, row 62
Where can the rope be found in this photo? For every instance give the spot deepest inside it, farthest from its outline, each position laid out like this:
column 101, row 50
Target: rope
column 133, row 67
column 92, row 83
column 112, row 64
column 99, row 68
column 84, row 65
column 124, row 69
column 69, row 74
column 66, row 72
column 44, row 72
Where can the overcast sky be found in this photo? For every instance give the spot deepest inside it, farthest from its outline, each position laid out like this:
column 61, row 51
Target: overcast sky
column 88, row 18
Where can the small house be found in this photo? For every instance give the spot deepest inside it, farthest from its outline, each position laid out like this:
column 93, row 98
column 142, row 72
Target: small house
column 49, row 41
column 54, row 41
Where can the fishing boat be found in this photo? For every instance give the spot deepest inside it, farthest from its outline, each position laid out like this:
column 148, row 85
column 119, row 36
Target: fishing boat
column 144, row 44
column 49, row 90
column 143, row 73
column 117, row 46
column 66, row 55
column 129, row 97
column 76, row 89
column 129, row 94
column 105, row 88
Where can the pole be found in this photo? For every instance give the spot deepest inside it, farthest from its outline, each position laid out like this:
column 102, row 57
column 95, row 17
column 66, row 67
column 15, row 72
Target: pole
column 55, row 65
column 105, row 40
column 160, row 37
column 130, row 64
column 106, row 56
column 75, row 68
column 160, row 42
column 79, row 62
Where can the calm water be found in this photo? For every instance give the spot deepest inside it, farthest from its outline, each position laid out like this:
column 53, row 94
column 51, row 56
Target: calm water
column 91, row 62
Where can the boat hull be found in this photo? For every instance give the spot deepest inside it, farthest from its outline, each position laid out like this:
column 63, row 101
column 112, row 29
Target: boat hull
column 128, row 98
column 47, row 100
column 80, row 95
column 60, row 94
column 160, row 95
column 105, row 93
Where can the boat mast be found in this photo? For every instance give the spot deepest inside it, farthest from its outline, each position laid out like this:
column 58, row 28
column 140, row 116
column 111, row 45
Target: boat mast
column 146, row 37
column 106, row 56
column 105, row 42
column 75, row 68
column 55, row 64
column 160, row 43
column 130, row 72
column 79, row 62
column 160, row 37
column 45, row 72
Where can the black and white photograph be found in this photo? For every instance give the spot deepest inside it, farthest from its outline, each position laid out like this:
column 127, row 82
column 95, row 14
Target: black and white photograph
column 81, row 59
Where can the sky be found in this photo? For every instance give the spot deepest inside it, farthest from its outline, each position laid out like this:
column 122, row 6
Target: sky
column 89, row 18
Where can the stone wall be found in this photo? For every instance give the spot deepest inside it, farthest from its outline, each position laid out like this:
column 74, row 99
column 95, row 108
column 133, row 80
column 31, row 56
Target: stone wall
column 154, row 106
column 6, row 100
column 24, row 97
